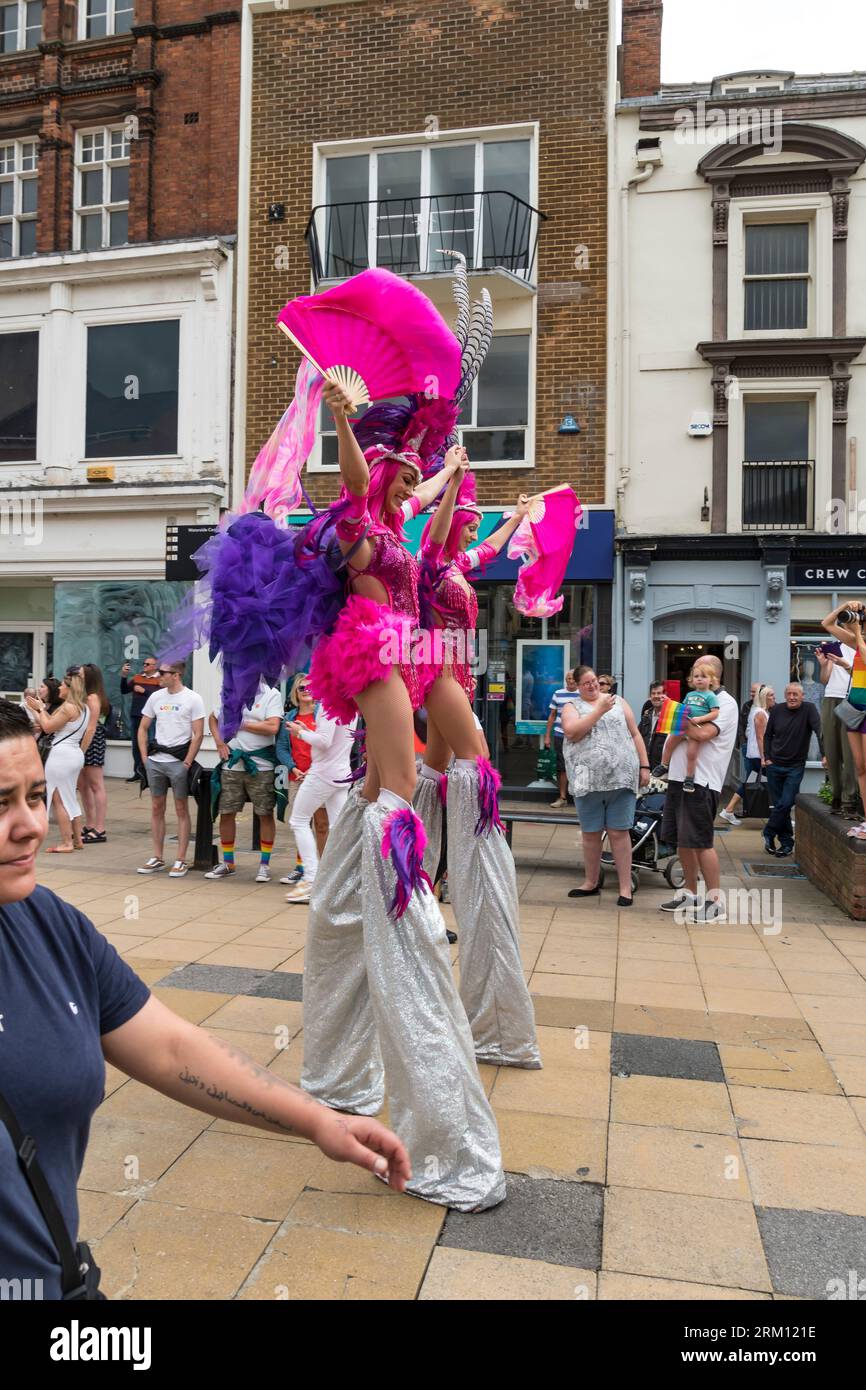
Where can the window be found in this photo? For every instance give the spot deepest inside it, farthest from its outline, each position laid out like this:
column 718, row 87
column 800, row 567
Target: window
column 132, row 389
column 19, row 196
column 19, row 367
column 493, row 422
column 777, row 469
column 20, row 25
column 101, row 189
column 752, row 85
column 399, row 207
column 495, row 415
column 777, row 276
column 97, row 18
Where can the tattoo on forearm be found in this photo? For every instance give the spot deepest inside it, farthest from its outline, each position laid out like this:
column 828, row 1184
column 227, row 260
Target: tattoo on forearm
column 261, row 1073
column 217, row 1093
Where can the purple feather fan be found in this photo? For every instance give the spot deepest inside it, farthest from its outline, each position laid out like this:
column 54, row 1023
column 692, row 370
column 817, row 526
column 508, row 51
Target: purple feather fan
column 268, row 592
column 405, row 839
column 489, row 782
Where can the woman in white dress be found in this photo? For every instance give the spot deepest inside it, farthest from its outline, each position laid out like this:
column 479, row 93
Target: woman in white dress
column 70, row 725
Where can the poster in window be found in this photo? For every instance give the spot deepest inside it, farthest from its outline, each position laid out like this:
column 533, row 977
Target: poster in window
column 541, row 668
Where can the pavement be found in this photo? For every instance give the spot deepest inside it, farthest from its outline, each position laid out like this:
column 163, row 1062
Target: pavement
column 698, row 1130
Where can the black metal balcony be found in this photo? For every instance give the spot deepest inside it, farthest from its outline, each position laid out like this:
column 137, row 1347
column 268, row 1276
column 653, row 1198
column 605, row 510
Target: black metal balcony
column 778, row 496
column 493, row 230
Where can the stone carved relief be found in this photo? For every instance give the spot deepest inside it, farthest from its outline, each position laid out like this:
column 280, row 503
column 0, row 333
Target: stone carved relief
column 637, row 595
column 775, row 591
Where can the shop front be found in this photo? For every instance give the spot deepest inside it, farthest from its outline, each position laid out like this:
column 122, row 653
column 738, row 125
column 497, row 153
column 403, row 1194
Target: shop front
column 755, row 602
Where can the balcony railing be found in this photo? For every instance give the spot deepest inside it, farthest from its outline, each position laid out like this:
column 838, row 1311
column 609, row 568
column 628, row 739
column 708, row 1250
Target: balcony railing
column 778, row 496
column 492, row 229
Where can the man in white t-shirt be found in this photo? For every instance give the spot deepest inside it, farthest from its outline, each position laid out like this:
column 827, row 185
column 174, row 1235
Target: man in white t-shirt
column 179, row 715
column 250, row 761
column 687, row 824
column 835, row 672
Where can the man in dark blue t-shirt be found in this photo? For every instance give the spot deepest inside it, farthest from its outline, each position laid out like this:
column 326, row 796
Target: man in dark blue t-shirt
column 68, row 1002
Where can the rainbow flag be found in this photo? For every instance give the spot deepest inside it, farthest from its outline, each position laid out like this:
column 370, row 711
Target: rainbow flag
column 857, row 693
column 673, row 716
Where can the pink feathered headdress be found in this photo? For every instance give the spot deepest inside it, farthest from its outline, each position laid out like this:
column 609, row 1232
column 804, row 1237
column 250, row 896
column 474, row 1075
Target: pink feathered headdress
column 465, row 510
column 385, row 465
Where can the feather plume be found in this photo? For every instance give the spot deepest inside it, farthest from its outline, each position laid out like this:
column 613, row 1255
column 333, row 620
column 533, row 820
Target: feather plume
column 477, row 345
column 460, row 290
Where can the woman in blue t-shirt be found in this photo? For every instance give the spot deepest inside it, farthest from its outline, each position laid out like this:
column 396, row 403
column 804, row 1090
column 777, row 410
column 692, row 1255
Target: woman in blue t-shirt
column 69, row 1003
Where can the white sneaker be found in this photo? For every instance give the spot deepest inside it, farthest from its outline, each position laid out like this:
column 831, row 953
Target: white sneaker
column 178, row 869
column 560, row 801
column 679, row 901
column 729, row 817
column 221, row 871
column 711, row 911
column 299, row 894
column 153, row 866
column 264, row 874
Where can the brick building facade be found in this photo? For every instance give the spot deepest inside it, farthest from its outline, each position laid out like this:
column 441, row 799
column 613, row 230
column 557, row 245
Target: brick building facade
column 118, row 223
column 376, row 71
column 174, row 77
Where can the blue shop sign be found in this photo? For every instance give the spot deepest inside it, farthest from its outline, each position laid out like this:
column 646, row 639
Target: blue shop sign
column 591, row 559
column 591, row 556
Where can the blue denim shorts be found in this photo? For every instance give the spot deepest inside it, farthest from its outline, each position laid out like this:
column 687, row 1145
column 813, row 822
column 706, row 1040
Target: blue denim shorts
column 606, row 810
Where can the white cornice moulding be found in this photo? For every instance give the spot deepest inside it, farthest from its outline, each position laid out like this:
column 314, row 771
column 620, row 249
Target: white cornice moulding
column 89, row 497
column 118, row 263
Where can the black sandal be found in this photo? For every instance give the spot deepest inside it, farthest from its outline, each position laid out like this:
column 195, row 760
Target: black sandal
column 93, row 837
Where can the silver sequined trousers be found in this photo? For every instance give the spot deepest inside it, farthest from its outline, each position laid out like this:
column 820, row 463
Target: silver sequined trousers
column 342, row 1063
column 428, row 807
column 482, row 886
column 387, row 991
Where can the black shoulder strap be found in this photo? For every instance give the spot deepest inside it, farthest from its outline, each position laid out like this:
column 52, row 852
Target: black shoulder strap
column 25, row 1152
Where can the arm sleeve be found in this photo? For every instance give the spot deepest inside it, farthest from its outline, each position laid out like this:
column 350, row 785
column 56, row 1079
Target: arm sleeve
column 197, row 709
column 411, row 507
column 768, row 737
column 482, row 555
column 713, row 700
column 323, row 736
column 147, row 708
column 121, row 992
column 125, row 687
column 351, row 528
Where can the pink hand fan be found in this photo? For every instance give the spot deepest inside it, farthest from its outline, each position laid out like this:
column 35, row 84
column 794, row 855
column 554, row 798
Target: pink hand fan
column 376, row 335
column 544, row 541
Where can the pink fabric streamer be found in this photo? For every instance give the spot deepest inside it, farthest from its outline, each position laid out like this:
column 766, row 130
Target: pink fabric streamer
column 275, row 478
column 545, row 546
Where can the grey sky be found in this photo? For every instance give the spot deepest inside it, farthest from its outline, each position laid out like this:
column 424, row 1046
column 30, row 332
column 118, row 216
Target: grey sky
column 704, row 38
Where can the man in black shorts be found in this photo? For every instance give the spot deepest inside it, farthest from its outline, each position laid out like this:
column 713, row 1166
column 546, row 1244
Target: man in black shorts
column 687, row 824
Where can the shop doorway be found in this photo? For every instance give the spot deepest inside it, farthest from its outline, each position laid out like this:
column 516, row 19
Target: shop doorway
column 674, row 661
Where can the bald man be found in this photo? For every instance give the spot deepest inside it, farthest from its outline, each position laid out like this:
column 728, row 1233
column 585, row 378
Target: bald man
column 688, row 822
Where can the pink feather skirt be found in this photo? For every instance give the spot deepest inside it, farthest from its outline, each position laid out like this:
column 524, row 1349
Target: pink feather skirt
column 367, row 643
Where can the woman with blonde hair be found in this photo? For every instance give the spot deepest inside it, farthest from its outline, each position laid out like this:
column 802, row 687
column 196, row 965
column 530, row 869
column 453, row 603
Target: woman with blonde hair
column 70, row 725
column 762, row 703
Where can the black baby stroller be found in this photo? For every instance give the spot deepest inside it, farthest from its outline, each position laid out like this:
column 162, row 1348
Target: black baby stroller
column 647, row 848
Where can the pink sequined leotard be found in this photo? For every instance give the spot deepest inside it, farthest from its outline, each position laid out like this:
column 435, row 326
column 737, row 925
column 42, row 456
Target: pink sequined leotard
column 370, row 638
column 456, row 607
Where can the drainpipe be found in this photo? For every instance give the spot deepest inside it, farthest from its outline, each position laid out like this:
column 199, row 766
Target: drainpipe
column 238, row 465
column 623, row 369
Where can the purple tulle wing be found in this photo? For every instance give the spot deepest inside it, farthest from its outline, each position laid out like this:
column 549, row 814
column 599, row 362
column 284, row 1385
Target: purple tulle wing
column 266, row 594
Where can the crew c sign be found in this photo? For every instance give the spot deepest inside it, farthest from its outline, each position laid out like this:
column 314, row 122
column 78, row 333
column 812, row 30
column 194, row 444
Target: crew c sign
column 821, row 574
